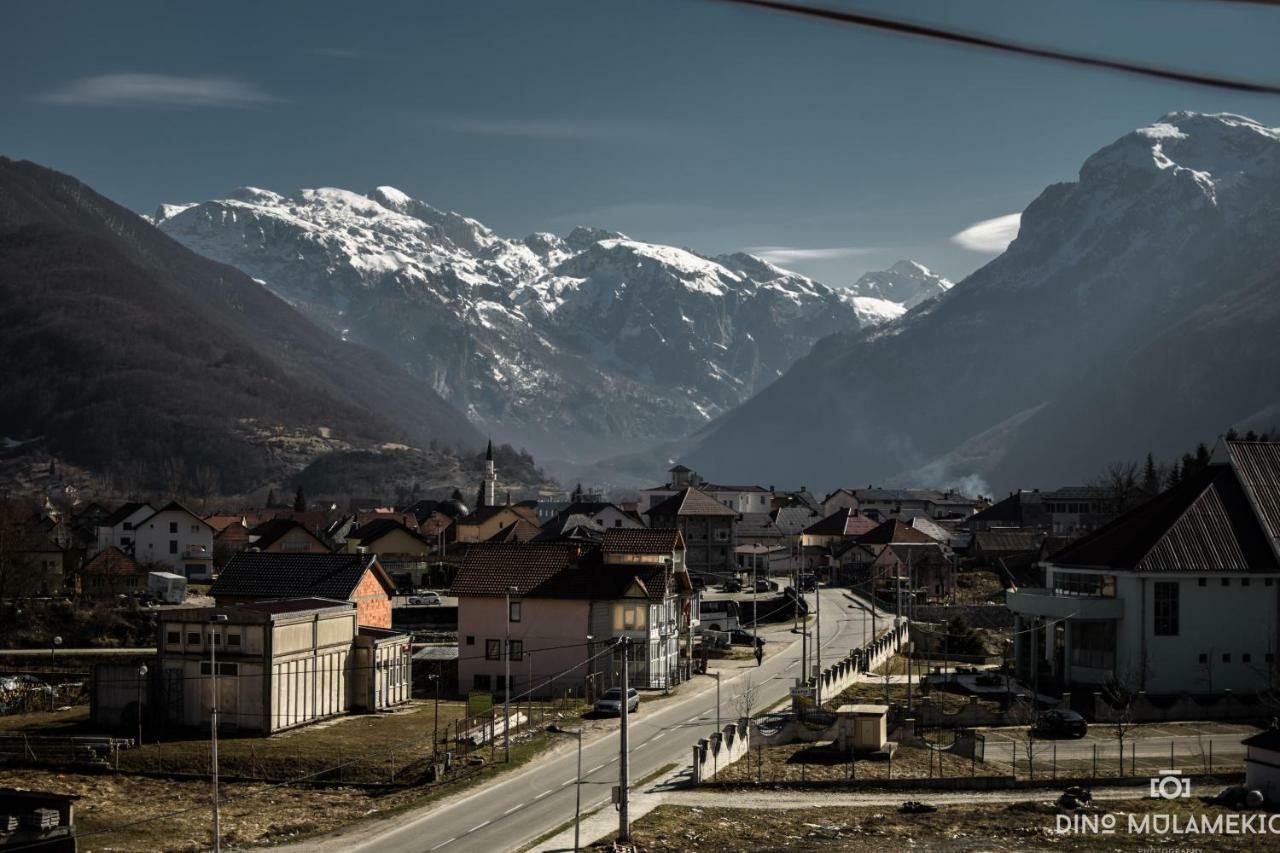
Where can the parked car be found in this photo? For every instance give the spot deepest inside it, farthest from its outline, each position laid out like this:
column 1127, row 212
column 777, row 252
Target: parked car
column 699, row 583
column 808, row 583
column 1060, row 724
column 611, row 701
column 733, row 586
column 742, row 637
column 429, row 599
column 765, row 585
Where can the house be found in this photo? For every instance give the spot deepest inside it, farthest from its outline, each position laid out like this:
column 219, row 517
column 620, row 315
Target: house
column 111, row 573
column 840, row 526
column 1078, row 509
column 259, row 576
column 1262, row 763
column 31, row 562
column 738, row 498
column 281, row 664
column 119, row 527
column 285, row 535
column 599, row 514
column 388, row 537
column 1021, row 510
column 230, row 534
column 708, row 528
column 484, row 522
column 568, row 607
column 1177, row 595
column 901, row 503
column 178, row 538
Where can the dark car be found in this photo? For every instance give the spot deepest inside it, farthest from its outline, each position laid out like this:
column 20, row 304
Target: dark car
column 1060, row 724
column 808, row 583
column 742, row 637
column 733, row 586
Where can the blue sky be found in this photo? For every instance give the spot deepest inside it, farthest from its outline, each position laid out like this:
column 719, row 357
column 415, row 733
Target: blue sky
column 689, row 122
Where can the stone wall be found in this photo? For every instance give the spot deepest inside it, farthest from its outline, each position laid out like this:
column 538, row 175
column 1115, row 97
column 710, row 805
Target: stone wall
column 713, row 754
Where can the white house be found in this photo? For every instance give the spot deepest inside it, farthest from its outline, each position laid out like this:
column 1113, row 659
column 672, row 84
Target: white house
column 178, row 538
column 1262, row 764
column 737, row 498
column 119, row 528
column 1178, row 595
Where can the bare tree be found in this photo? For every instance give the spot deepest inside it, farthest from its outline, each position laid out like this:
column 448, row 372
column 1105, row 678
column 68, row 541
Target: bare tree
column 746, row 699
column 1121, row 484
column 1120, row 693
column 205, row 482
column 1022, row 711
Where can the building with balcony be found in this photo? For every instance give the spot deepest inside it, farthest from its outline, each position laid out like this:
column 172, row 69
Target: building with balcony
column 178, row 538
column 1180, row 595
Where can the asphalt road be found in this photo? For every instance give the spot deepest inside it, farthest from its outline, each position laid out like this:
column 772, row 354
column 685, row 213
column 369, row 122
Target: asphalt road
column 530, row 803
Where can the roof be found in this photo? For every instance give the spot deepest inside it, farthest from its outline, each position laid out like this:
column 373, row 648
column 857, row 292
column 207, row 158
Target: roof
column 1269, row 739
column 295, row 605
column 793, row 519
column 930, row 528
column 265, row 574
column 1011, row 509
column 367, row 534
column 1078, row 493
column 124, row 511
column 642, row 540
column 220, row 522
column 1012, row 541
column 1205, row 523
column 687, row 502
column 895, row 532
column 437, row 653
column 842, row 522
column 519, row 530
column 269, row 532
column 482, row 514
column 111, row 561
column 174, row 506
column 755, row 526
column 1257, row 463
column 554, row 570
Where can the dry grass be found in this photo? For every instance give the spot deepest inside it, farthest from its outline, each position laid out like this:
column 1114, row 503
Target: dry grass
column 897, row 693
column 995, row 826
column 796, row 762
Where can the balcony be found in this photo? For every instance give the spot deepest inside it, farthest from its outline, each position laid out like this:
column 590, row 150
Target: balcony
column 1043, row 603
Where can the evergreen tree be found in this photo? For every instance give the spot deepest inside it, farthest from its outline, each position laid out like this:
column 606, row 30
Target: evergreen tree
column 271, row 498
column 1175, row 475
column 1202, row 456
column 1150, row 476
column 1231, row 435
column 1250, row 436
column 299, row 501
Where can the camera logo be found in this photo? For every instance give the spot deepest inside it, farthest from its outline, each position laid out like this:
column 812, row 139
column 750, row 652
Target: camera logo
column 1170, row 785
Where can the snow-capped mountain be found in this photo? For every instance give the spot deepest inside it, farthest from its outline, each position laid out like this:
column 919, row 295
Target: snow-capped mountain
column 906, row 283
column 573, row 345
column 1134, row 312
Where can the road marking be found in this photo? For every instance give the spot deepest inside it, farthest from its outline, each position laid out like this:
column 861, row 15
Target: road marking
column 594, row 769
column 480, row 826
column 566, row 782
column 513, row 808
column 543, row 794
column 659, row 735
column 443, row 843
column 643, row 745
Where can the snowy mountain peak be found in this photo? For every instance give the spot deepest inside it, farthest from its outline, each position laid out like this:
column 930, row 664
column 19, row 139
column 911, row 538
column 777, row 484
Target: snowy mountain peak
column 582, row 237
column 907, row 283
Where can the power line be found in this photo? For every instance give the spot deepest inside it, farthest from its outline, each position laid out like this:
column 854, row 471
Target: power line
column 990, row 43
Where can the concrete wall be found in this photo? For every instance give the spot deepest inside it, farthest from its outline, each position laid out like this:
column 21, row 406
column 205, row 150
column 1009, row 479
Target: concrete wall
column 713, row 754
column 553, row 630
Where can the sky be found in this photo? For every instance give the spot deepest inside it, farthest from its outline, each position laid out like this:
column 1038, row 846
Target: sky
column 829, row 149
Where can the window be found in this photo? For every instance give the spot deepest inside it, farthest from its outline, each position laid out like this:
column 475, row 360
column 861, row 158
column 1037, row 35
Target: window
column 173, row 527
column 1084, row 584
column 722, row 536
column 481, row 682
column 1226, row 658
column 1226, row 581
column 514, row 611
column 629, row 617
column 1246, row 657
column 215, row 637
column 1204, row 658
column 171, row 638
column 233, row 639
column 516, row 649
column 1244, row 581
column 173, row 546
column 471, row 639
column 128, row 525
column 223, row 668
column 1204, row 581
column 193, row 638
column 1166, row 609
column 195, row 528
column 1269, row 581
column 1093, row 644
column 493, row 650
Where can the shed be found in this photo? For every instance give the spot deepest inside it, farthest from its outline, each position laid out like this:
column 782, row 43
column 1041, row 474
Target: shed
column 862, row 728
column 1262, row 763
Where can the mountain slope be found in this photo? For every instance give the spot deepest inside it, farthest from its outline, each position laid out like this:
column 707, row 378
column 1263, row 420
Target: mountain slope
column 906, row 283
column 126, row 348
column 1056, row 357
column 580, row 346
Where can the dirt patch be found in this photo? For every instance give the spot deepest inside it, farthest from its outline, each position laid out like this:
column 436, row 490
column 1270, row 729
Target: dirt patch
column 797, row 762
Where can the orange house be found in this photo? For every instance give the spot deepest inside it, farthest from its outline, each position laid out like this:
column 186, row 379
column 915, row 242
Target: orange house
column 265, row 576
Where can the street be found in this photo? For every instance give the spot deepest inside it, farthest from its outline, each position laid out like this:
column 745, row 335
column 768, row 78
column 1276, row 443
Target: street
column 533, row 801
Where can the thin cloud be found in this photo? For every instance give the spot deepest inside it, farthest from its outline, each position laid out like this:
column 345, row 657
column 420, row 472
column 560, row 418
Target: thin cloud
column 576, row 129
column 791, row 254
column 158, row 90
column 990, row 236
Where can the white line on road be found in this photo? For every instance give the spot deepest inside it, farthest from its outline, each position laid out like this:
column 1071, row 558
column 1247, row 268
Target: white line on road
column 480, row 826
column 566, row 782
column 444, row 843
column 543, row 794
column 659, row 735
column 516, row 807
column 594, row 769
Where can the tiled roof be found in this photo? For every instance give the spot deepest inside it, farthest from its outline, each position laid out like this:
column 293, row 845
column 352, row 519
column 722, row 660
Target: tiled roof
column 930, row 528
column 756, row 527
column 483, row 513
column 111, row 561
column 517, row 531
column 122, row 512
column 553, row 571
column 374, row 530
column 1205, row 523
column 220, row 522
column 842, row 522
column 295, row 605
column 268, row 533
column 261, row 574
column 174, row 506
column 793, row 519
column 1077, row 493
column 894, row 532
column 1001, row 541
column 1010, row 509
column 621, row 540
column 690, row 501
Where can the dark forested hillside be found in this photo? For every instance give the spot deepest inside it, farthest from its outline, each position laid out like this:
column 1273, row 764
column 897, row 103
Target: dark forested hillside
column 122, row 347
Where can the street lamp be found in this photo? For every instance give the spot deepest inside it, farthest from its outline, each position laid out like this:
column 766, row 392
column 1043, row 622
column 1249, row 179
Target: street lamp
column 506, row 666
column 217, row 618
column 577, row 788
column 142, row 673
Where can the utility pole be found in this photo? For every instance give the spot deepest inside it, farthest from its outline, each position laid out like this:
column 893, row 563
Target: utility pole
column 214, row 639
column 755, row 608
column 624, row 828
column 506, row 692
column 817, row 647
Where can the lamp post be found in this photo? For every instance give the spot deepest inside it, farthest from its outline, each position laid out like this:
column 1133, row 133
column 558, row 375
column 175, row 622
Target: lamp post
column 214, row 638
column 506, row 692
column 142, row 673
column 53, row 662
column 577, row 788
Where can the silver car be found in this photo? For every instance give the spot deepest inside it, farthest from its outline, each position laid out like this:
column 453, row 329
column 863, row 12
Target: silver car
column 611, row 701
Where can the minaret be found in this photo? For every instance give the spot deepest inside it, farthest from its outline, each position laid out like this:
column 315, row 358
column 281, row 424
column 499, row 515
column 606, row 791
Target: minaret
column 489, row 488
